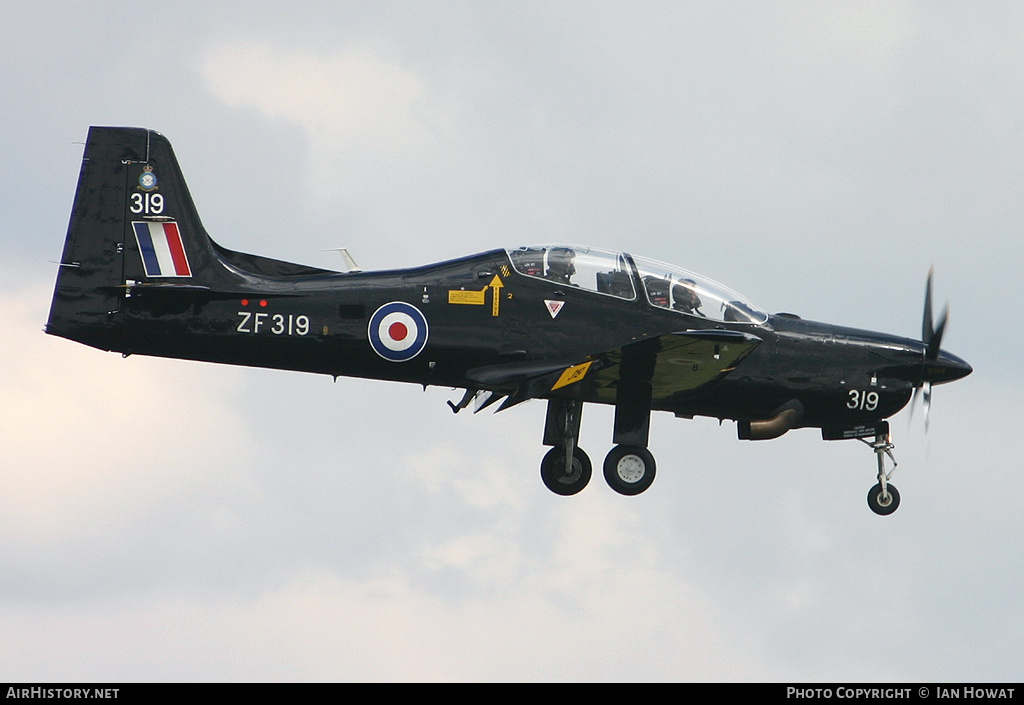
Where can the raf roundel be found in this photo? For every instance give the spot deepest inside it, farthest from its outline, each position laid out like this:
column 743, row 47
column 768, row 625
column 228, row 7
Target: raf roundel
column 397, row 331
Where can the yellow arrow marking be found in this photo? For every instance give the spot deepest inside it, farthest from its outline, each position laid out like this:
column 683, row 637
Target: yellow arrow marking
column 479, row 298
column 495, row 287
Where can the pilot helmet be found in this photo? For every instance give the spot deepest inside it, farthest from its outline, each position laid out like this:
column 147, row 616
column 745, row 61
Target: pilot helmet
column 560, row 261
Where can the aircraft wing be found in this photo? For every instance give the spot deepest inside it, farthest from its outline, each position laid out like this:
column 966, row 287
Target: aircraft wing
column 672, row 364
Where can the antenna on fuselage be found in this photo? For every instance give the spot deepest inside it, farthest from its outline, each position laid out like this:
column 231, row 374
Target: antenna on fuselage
column 350, row 263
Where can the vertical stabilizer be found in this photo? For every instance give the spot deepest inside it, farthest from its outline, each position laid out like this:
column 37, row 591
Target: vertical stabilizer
column 133, row 223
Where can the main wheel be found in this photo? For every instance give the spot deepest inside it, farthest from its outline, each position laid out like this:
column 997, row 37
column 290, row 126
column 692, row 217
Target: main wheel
column 629, row 470
column 561, row 481
column 883, row 505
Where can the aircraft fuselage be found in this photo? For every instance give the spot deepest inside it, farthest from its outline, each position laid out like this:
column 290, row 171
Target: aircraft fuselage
column 568, row 324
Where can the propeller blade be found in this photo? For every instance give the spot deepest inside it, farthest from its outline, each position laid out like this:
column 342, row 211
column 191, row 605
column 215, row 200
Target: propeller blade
column 927, row 331
column 922, row 397
column 927, row 395
column 931, row 337
column 933, row 345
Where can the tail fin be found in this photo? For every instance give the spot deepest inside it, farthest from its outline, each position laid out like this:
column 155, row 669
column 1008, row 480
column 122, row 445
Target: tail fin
column 134, row 224
column 133, row 220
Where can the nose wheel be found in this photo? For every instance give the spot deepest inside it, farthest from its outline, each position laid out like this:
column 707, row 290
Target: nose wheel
column 883, row 498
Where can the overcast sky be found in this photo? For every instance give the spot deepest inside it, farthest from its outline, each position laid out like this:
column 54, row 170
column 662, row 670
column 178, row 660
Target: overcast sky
column 164, row 520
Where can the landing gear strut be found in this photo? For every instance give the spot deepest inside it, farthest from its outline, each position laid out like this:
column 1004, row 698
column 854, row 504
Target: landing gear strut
column 883, row 498
column 566, row 469
column 628, row 468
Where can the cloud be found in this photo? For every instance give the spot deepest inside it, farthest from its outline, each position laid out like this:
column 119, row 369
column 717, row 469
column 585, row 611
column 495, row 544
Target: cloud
column 90, row 438
column 99, row 451
column 352, row 99
column 569, row 621
column 371, row 127
column 360, row 531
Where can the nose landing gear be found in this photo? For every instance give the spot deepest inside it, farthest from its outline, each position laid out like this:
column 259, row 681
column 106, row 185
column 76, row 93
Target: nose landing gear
column 883, row 498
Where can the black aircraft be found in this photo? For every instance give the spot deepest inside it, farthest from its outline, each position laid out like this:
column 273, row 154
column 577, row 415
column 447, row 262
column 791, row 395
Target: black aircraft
column 140, row 275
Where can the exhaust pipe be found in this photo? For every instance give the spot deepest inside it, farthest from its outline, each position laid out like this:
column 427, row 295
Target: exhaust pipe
column 783, row 419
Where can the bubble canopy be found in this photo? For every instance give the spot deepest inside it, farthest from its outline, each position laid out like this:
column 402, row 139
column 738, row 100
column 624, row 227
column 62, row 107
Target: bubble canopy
column 628, row 277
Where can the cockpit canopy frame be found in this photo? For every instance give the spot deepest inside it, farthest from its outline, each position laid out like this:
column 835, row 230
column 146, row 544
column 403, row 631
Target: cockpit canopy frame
column 621, row 275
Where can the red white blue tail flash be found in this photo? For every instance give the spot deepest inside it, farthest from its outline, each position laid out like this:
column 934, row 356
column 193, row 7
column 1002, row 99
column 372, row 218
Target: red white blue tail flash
column 163, row 253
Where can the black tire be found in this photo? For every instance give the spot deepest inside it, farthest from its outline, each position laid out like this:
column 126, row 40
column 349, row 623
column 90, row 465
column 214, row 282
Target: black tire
column 629, row 470
column 880, row 507
column 555, row 477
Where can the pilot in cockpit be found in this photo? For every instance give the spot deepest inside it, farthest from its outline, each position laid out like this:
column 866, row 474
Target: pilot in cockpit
column 560, row 264
column 684, row 297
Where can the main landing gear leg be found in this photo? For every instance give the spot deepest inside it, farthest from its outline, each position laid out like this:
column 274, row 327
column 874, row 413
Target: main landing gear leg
column 629, row 467
column 883, row 497
column 565, row 469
